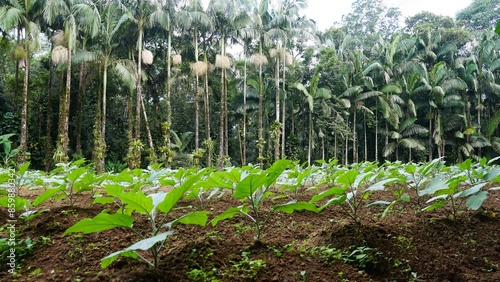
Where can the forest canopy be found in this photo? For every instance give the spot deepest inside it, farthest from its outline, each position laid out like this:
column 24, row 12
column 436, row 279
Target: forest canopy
column 131, row 83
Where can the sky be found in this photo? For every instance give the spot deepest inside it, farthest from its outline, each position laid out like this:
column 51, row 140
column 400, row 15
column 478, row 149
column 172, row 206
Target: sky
column 327, row 12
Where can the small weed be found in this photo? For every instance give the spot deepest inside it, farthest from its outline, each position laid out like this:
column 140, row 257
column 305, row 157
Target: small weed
column 326, row 254
column 247, row 268
column 275, row 250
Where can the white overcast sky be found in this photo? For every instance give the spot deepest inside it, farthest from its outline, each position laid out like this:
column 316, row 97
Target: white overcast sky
column 327, row 12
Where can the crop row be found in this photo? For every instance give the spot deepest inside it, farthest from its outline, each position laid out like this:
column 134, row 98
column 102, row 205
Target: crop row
column 144, row 193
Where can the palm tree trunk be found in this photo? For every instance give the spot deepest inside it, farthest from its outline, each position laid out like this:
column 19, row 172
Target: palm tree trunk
column 196, row 116
column 366, row 142
column 283, row 114
column 148, row 132
column 354, row 137
column 139, row 86
column 244, row 137
column 169, row 108
column 48, row 126
column 277, row 80
column 206, row 100
column 221, row 124
column 23, row 140
column 260, row 143
column 78, row 148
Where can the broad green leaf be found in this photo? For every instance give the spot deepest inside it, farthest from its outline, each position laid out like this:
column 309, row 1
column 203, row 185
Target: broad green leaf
column 198, row 218
column 107, row 261
column 23, row 168
column 473, row 190
column 215, row 181
column 114, row 190
column 497, row 28
column 348, row 178
column 329, row 192
column 411, row 168
column 124, row 176
column 476, row 201
column 248, row 185
column 18, row 202
column 144, row 245
column 137, row 202
column 176, row 194
column 103, row 200
column 229, row 213
column 293, row 206
column 493, row 175
column 380, row 186
column 433, row 186
column 101, row 222
column 166, row 181
column 379, row 203
column 335, row 201
column 4, row 177
column 273, row 172
column 76, row 173
column 434, row 206
column 47, row 195
column 440, row 197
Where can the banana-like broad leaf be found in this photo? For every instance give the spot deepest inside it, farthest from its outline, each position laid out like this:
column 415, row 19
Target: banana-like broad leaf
column 101, row 222
column 493, row 175
column 144, row 245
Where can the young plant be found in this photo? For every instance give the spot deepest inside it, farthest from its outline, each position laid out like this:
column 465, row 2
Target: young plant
column 353, row 187
column 72, row 179
column 254, row 188
column 157, row 207
column 459, row 187
column 9, row 154
column 297, row 178
column 418, row 176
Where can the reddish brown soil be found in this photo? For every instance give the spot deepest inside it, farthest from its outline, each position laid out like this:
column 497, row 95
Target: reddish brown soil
column 405, row 246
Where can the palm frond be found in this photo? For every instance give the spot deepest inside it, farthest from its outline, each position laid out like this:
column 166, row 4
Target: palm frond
column 391, row 89
column 410, row 143
column 389, row 149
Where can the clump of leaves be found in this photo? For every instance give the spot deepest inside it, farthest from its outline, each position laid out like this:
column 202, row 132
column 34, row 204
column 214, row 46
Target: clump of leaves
column 157, row 207
column 255, row 188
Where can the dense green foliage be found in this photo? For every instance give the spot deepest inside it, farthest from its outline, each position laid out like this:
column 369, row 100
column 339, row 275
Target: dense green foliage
column 244, row 82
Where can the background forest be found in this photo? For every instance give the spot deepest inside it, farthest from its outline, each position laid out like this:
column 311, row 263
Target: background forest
column 245, row 81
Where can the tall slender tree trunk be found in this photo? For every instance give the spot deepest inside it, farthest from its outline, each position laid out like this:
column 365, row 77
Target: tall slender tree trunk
column 221, row 124
column 366, row 141
column 206, row 100
column 148, row 132
column 283, row 108
column 139, row 86
column 48, row 126
column 244, row 137
column 23, row 140
column 277, row 78
column 168, row 102
column 78, row 149
column 196, row 116
column 63, row 134
column 354, row 139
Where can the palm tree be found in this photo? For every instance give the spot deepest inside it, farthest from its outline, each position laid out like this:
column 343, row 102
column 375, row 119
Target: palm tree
column 193, row 17
column 403, row 137
column 22, row 15
column 314, row 93
column 75, row 15
column 113, row 15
